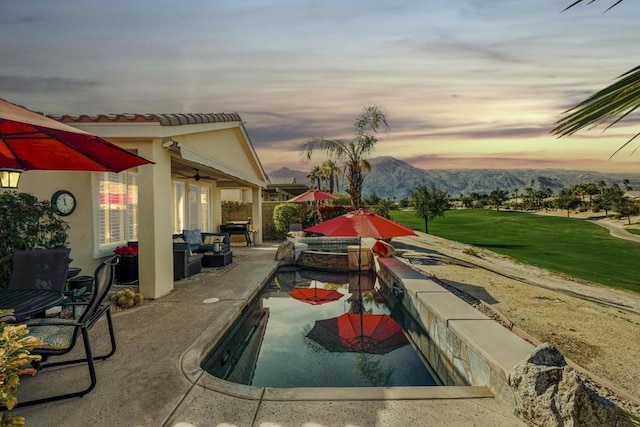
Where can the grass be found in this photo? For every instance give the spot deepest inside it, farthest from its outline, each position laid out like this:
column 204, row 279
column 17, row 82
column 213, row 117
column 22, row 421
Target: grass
column 569, row 246
column 633, row 230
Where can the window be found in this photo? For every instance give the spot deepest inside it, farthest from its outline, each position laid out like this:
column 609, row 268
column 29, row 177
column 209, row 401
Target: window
column 179, row 193
column 199, row 207
column 118, row 208
column 193, row 209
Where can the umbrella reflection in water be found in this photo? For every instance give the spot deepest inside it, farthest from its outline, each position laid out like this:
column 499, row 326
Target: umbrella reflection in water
column 315, row 296
column 360, row 333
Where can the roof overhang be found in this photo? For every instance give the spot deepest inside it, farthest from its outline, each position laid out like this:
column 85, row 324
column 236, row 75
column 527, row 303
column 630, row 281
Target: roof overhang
column 190, row 154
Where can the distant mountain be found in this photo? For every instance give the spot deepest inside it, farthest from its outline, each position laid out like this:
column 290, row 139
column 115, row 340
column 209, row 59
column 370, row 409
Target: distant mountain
column 393, row 178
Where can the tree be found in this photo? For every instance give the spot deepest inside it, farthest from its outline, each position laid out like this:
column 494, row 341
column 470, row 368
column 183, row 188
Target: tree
column 429, row 203
column 330, row 172
column 497, row 197
column 628, row 208
column 383, row 207
column 609, row 105
column 353, row 152
column 567, row 200
column 314, row 177
column 609, row 198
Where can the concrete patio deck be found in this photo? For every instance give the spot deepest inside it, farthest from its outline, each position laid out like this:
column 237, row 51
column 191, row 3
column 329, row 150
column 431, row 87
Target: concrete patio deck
column 154, row 380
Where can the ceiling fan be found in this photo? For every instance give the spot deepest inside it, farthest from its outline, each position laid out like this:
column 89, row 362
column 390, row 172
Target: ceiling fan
column 197, row 176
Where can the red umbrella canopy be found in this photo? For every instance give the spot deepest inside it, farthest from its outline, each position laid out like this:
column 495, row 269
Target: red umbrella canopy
column 312, row 196
column 315, row 296
column 363, row 333
column 31, row 141
column 363, row 224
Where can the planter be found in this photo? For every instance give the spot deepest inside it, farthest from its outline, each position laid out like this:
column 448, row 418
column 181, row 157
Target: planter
column 127, row 270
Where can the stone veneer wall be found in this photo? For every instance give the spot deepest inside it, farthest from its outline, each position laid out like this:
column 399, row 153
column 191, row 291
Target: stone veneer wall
column 464, row 346
column 309, row 252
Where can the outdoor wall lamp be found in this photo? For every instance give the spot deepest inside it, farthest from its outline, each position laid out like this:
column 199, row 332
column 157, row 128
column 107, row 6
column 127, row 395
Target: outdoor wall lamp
column 9, row 177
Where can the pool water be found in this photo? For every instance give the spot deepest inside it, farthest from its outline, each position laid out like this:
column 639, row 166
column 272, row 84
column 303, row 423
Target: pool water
column 284, row 342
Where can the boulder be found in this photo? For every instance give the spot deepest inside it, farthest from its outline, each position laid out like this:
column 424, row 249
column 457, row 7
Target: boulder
column 286, row 252
column 548, row 392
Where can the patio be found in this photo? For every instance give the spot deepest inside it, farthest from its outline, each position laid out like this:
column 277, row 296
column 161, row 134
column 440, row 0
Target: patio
column 150, row 381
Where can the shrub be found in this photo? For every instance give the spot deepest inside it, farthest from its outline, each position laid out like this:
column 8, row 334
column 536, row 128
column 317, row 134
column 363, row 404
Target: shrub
column 15, row 359
column 285, row 214
column 330, row 212
column 27, row 223
column 471, row 251
column 127, row 298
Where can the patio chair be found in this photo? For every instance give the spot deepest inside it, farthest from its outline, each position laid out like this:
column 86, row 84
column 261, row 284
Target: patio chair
column 39, row 269
column 59, row 336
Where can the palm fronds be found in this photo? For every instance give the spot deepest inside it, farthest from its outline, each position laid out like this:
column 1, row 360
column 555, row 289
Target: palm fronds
column 609, row 105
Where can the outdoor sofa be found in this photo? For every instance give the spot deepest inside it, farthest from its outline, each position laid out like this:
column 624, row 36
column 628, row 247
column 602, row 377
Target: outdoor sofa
column 191, row 246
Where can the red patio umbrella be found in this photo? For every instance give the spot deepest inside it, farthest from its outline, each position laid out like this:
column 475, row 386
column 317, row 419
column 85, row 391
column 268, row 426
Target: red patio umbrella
column 312, row 196
column 361, row 223
column 31, row 141
column 315, row 296
column 363, row 333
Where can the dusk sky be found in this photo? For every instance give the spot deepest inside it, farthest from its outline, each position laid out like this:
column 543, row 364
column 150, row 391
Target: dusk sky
column 464, row 83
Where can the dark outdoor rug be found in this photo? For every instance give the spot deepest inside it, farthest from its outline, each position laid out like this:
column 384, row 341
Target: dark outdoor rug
column 219, row 271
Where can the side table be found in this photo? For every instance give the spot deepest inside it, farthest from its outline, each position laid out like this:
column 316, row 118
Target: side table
column 221, row 259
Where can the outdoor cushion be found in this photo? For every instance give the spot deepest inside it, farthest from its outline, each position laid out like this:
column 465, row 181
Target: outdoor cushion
column 52, row 336
column 193, row 237
column 210, row 240
column 383, row 249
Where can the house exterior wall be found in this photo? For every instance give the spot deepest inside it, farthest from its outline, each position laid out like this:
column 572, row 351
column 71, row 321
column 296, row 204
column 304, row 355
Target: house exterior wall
column 224, row 143
column 42, row 184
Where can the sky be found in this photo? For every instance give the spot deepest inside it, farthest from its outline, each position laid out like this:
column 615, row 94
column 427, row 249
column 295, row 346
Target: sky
column 463, row 83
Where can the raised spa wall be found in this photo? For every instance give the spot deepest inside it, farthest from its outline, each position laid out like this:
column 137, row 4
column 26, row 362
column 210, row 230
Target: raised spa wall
column 464, row 346
column 322, row 253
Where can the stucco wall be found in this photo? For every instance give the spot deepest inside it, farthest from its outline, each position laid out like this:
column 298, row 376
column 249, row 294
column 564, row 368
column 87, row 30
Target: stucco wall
column 42, row 184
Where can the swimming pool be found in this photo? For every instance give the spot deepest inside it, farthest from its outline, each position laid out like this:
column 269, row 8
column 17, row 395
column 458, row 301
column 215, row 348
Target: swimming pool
column 281, row 341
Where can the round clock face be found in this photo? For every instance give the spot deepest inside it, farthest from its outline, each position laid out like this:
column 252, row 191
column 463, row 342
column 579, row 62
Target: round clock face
column 63, row 202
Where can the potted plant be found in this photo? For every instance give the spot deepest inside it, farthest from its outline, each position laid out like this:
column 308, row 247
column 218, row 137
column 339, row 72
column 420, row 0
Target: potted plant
column 127, row 267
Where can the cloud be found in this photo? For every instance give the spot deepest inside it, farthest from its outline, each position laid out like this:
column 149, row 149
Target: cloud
column 38, row 85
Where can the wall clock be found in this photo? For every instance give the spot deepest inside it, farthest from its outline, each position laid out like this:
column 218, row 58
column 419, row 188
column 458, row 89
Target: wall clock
column 63, row 202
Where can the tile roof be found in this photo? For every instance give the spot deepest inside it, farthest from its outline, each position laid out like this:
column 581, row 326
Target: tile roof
column 163, row 119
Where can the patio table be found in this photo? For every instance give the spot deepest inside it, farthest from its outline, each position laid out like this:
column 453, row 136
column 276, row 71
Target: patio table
column 29, row 302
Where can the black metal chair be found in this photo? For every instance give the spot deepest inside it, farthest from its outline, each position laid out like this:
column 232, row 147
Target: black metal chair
column 59, row 336
column 43, row 269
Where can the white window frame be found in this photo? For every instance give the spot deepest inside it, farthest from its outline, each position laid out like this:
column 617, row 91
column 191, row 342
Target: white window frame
column 194, row 209
column 121, row 196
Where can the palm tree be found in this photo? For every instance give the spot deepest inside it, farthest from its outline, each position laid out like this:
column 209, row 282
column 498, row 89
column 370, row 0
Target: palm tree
column 331, row 171
column 353, row 152
column 314, row 177
column 609, row 105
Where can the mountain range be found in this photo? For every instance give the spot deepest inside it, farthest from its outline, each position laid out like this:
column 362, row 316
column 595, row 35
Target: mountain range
column 393, row 178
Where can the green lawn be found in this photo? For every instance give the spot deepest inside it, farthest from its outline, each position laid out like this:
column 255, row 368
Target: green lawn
column 565, row 245
column 634, row 230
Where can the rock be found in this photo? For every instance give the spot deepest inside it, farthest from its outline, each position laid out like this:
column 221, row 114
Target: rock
column 548, row 392
column 286, row 252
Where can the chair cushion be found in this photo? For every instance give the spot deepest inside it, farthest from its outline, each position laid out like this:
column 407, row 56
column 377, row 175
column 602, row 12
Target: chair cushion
column 193, row 237
column 210, row 240
column 53, row 337
column 178, row 240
